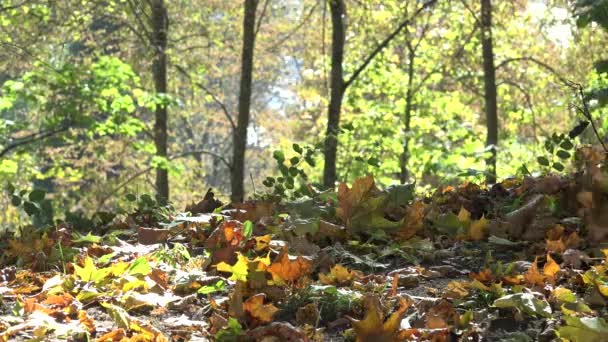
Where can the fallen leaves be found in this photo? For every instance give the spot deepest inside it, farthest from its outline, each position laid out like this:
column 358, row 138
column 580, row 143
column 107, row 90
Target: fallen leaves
column 289, row 269
column 373, row 327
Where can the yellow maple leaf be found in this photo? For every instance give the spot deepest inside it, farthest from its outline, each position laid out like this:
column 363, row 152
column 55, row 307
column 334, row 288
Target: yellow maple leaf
column 464, row 215
column 239, row 270
column 373, row 327
column 477, row 229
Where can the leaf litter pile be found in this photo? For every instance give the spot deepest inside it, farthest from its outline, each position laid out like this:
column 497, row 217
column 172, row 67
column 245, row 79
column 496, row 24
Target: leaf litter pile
column 522, row 260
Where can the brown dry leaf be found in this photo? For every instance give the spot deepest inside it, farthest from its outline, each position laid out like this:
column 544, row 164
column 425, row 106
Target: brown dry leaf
column 556, row 232
column 555, row 246
column 572, row 241
column 160, row 277
column 252, row 211
column 287, row 270
column 373, row 327
column 255, row 306
column 151, row 236
column 280, row 331
column 87, row 321
column 414, row 220
column 456, row 290
column 235, row 303
column 477, row 229
column 441, row 316
column 349, row 199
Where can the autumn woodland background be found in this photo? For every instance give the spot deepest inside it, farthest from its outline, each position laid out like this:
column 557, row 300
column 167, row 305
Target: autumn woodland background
column 101, row 99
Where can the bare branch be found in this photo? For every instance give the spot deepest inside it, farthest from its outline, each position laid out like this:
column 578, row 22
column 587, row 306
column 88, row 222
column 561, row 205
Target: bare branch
column 261, row 18
column 150, row 168
column 385, row 43
column 540, row 63
column 31, row 139
column 213, row 97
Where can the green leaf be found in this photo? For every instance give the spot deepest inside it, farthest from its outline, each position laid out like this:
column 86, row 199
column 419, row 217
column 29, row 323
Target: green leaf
column 279, row 156
column 89, row 238
column 140, row 267
column 563, row 154
column 119, row 315
column 558, row 166
column 31, row 208
column 37, row 195
column 131, row 197
column 578, row 130
column 585, row 329
column 543, row 161
column 16, row 200
column 526, row 303
column 373, row 161
column 294, row 160
column 8, row 166
column 567, row 145
column 310, row 160
column 297, row 148
column 219, row 286
column 248, row 229
column 293, row 171
column 400, row 194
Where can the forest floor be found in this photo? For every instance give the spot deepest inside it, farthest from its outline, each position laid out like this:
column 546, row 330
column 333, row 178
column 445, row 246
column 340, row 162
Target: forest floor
column 522, row 260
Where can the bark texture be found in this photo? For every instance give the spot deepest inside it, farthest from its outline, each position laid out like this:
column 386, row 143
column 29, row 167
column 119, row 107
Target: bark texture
column 338, row 15
column 489, row 72
column 160, row 26
column 240, row 133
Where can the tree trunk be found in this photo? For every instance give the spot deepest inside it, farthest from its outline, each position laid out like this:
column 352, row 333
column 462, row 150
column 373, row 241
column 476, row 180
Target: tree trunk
column 489, row 72
column 338, row 14
column 240, row 134
column 160, row 26
column 409, row 98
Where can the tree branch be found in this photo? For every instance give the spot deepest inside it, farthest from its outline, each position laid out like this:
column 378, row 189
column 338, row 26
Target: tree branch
column 385, row 43
column 150, row 168
column 8, row 8
column 213, row 97
column 31, row 139
column 540, row 63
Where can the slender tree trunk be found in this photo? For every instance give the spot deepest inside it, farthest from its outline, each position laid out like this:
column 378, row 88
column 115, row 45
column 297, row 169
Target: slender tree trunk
column 240, row 134
column 338, row 14
column 489, row 72
column 160, row 26
column 409, row 98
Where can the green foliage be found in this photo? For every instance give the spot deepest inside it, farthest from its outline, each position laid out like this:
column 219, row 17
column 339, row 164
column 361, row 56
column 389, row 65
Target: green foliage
column 293, row 180
column 560, row 149
column 34, row 203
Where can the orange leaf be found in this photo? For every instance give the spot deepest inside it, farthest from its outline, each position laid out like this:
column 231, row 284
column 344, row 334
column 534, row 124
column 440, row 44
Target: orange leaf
column 86, row 321
column 533, row 276
column 288, row 270
column 349, row 199
column 257, row 309
column 550, row 268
